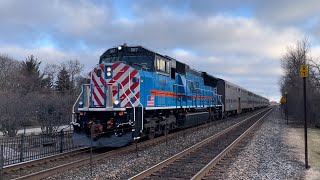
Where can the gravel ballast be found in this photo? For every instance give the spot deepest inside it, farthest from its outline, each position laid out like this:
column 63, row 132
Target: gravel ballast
column 273, row 153
column 127, row 165
column 268, row 155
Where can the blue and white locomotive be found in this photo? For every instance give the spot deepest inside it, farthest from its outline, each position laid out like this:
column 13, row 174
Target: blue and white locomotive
column 135, row 92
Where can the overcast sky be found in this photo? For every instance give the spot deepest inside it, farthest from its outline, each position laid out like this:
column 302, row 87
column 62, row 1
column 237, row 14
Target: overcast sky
column 240, row 41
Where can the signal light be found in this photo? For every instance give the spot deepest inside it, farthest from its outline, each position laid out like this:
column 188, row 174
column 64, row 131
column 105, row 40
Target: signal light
column 108, row 69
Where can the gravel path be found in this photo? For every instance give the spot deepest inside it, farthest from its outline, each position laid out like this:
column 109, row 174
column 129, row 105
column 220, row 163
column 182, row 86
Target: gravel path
column 127, row 165
column 267, row 155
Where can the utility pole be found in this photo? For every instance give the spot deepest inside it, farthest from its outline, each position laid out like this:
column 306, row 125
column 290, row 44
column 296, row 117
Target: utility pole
column 305, row 122
column 283, row 105
column 287, row 116
column 304, row 73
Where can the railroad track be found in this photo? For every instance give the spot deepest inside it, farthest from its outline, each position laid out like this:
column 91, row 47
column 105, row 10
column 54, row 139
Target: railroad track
column 42, row 170
column 42, row 167
column 196, row 161
column 16, row 170
column 219, row 170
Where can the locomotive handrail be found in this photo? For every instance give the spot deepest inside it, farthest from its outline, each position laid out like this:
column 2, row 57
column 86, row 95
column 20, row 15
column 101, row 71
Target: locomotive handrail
column 73, row 112
column 176, row 90
column 134, row 108
column 133, row 95
column 178, row 86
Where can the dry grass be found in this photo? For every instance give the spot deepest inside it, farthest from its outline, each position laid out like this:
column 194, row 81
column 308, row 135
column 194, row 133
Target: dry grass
column 296, row 140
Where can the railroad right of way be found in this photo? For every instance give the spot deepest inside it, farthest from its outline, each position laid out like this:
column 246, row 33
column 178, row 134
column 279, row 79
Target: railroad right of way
column 267, row 155
column 196, row 161
column 126, row 165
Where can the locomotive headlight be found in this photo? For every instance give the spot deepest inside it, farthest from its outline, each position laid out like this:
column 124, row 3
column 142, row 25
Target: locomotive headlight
column 115, row 102
column 119, row 48
column 108, row 73
column 108, row 69
column 80, row 103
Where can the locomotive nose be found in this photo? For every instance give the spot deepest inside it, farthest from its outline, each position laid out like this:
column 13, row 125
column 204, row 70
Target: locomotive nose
column 113, row 85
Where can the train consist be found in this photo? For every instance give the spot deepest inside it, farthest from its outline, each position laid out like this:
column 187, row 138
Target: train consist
column 134, row 92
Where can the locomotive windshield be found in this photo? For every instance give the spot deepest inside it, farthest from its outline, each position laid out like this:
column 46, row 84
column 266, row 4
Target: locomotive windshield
column 137, row 59
column 141, row 61
column 110, row 59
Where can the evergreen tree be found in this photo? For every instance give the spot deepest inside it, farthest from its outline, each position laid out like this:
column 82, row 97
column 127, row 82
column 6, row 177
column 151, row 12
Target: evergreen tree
column 47, row 83
column 31, row 75
column 63, row 82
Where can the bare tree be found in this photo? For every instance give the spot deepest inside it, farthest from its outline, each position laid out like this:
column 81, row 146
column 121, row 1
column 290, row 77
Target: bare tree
column 14, row 110
column 314, row 68
column 26, row 93
column 74, row 68
column 9, row 74
column 291, row 82
column 50, row 74
column 48, row 114
column 54, row 111
column 292, row 60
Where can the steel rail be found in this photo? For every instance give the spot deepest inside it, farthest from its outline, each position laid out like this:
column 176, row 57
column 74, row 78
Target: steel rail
column 215, row 161
column 191, row 149
column 25, row 164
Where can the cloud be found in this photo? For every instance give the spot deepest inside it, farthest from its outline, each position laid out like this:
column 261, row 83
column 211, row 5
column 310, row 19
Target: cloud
column 282, row 12
column 67, row 21
column 315, row 52
column 49, row 55
column 92, row 25
column 303, row 15
column 256, row 74
column 215, row 34
column 287, row 11
column 240, row 41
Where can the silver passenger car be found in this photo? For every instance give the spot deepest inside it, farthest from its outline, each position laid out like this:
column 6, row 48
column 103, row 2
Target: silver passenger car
column 237, row 100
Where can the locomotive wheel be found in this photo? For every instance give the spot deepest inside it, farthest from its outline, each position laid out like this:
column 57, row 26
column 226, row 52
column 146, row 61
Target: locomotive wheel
column 173, row 126
column 152, row 133
column 159, row 130
column 167, row 129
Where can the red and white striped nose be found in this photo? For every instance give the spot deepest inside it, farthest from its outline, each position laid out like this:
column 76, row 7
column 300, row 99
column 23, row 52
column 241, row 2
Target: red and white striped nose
column 127, row 81
column 98, row 86
column 115, row 85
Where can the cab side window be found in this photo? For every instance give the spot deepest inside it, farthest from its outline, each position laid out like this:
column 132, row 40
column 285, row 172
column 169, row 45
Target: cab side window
column 162, row 65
